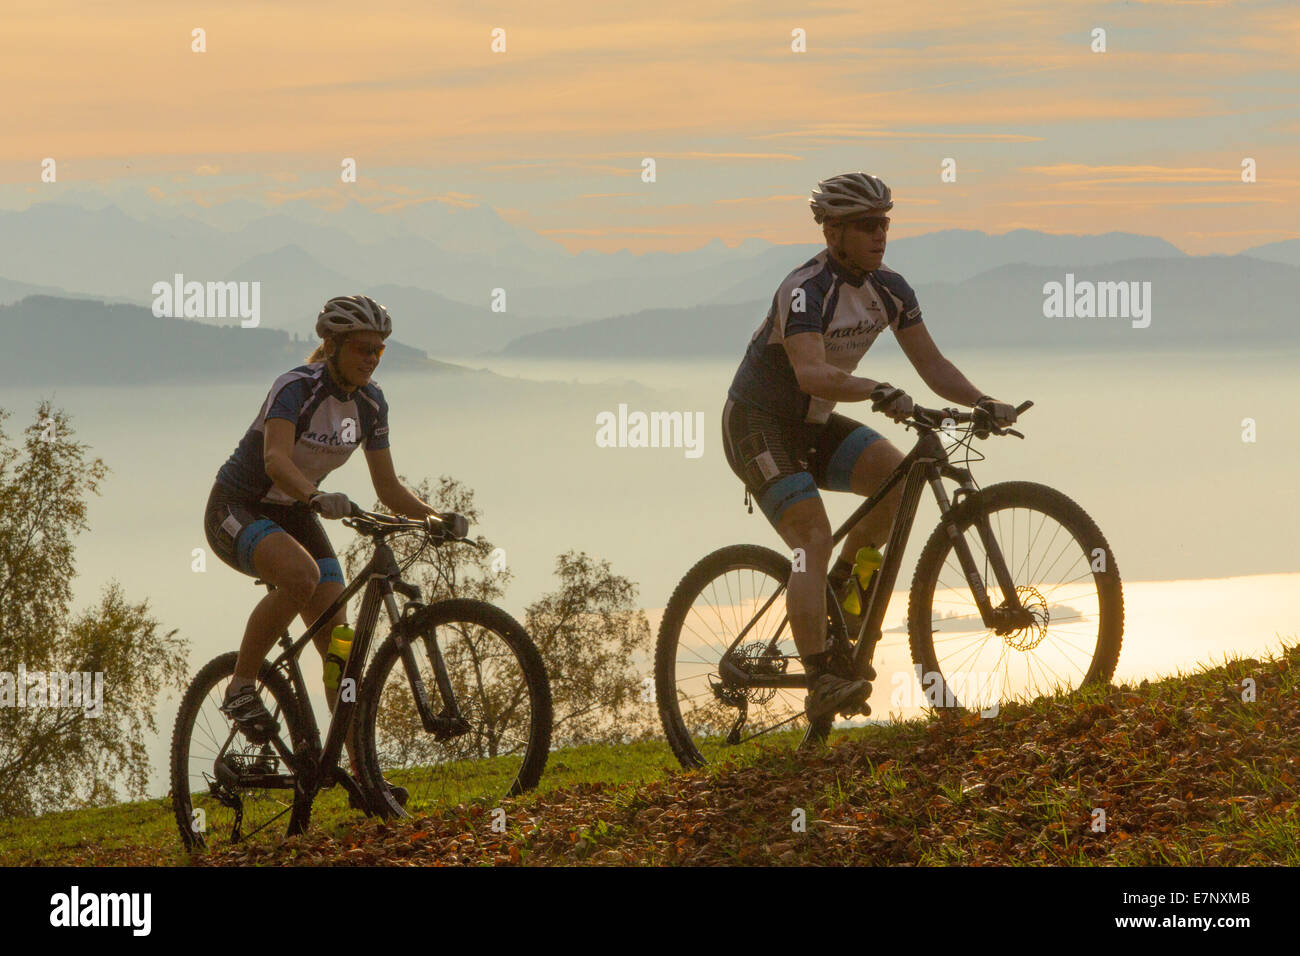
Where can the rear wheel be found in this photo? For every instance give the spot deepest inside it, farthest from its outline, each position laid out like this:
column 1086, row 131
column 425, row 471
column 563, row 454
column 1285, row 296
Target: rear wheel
column 1065, row 578
column 498, row 746
column 734, row 588
column 211, row 763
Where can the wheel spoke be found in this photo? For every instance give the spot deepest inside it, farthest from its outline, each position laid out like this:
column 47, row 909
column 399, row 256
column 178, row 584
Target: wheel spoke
column 734, row 597
column 1059, row 642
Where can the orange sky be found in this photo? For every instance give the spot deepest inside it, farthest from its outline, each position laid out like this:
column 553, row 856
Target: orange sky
column 1147, row 137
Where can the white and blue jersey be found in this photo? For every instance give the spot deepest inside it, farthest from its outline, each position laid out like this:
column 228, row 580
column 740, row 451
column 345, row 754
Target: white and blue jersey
column 820, row 296
column 329, row 424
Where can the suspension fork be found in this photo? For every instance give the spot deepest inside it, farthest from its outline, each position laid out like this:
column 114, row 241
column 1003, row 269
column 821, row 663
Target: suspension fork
column 449, row 721
column 992, row 617
column 403, row 632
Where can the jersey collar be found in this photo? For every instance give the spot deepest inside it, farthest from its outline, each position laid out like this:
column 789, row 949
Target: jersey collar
column 848, row 277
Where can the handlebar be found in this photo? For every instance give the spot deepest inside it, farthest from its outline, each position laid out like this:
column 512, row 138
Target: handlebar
column 933, row 418
column 380, row 525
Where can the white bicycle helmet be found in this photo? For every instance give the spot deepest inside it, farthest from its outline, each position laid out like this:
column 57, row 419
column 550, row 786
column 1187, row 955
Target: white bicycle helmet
column 850, row 196
column 353, row 313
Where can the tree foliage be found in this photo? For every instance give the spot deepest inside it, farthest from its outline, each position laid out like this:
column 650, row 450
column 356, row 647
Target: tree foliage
column 590, row 633
column 57, row 757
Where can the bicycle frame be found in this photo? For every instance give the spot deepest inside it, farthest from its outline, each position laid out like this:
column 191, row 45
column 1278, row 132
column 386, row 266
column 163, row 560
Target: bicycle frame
column 317, row 768
column 926, row 463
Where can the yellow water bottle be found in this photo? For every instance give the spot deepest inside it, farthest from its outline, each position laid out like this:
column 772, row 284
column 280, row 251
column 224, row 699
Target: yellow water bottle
column 336, row 657
column 865, row 564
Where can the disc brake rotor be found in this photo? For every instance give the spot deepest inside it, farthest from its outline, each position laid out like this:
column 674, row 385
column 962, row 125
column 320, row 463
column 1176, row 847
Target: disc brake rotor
column 1030, row 635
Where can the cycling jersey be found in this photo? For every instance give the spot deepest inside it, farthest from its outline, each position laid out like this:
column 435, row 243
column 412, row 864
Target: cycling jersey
column 820, row 296
column 329, row 424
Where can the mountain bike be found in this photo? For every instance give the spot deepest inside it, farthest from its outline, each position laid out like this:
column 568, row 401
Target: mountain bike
column 455, row 704
column 1015, row 594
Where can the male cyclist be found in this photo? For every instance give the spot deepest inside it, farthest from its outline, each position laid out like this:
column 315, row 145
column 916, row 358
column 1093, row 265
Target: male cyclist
column 781, row 435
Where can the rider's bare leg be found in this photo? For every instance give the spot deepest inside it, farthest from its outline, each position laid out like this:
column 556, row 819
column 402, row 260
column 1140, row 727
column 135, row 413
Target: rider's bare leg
column 280, row 560
column 805, row 525
column 873, row 466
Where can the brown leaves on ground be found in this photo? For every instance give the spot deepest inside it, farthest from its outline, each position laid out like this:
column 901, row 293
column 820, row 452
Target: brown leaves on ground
column 1184, row 770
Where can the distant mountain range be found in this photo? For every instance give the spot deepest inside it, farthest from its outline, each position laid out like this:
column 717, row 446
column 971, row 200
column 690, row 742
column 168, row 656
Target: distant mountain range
column 435, row 266
column 1197, row 302
column 60, row 341
column 462, row 254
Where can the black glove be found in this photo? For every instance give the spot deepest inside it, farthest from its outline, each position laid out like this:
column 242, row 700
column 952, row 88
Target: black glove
column 330, row 504
column 894, row 402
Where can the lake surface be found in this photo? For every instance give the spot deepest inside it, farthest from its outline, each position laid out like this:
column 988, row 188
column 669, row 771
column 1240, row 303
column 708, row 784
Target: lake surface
column 1202, row 524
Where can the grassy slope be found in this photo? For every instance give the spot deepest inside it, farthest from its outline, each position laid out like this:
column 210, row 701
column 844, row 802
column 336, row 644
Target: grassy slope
column 1186, row 771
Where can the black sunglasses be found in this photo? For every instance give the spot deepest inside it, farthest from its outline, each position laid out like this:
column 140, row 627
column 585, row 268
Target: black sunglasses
column 870, row 223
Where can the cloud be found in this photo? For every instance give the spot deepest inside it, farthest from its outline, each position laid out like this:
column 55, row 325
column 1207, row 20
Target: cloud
column 1153, row 201
column 843, row 135
column 626, row 231
column 1145, row 175
column 661, row 154
column 758, row 199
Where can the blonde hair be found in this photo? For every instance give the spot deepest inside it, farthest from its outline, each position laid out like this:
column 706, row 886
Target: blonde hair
column 318, row 354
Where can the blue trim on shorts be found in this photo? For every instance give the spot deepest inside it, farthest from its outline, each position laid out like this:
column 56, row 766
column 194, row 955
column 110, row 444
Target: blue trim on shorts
column 839, row 470
column 248, row 540
column 330, row 570
column 790, row 490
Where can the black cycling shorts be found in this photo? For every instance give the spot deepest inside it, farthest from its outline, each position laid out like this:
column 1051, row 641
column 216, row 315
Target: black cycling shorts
column 235, row 523
column 783, row 462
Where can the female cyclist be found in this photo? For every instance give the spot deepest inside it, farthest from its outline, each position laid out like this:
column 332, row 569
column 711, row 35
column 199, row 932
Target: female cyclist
column 261, row 516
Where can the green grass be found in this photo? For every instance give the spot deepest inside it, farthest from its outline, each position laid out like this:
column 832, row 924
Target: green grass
column 145, row 831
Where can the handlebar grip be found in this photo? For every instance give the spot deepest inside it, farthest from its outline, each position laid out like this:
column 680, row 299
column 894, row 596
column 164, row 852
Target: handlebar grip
column 1021, row 409
column 355, row 510
column 455, row 526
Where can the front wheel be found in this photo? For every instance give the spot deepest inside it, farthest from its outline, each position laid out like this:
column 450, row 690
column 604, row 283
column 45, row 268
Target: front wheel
column 494, row 731
column 1067, row 585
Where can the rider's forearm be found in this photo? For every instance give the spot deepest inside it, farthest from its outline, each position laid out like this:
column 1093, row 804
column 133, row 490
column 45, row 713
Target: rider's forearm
column 404, row 503
column 286, row 476
column 946, row 381
column 834, row 384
